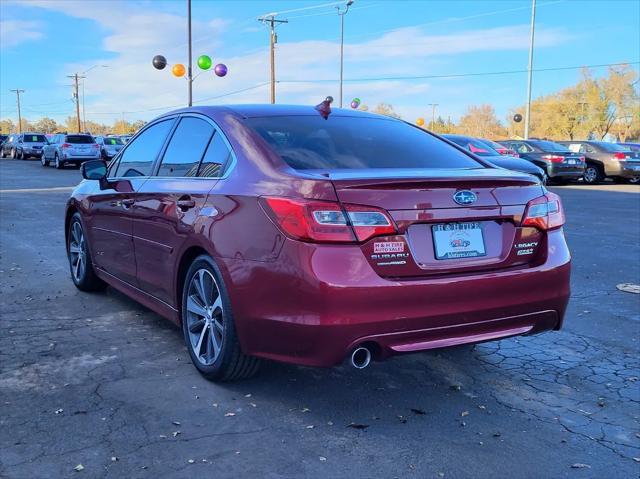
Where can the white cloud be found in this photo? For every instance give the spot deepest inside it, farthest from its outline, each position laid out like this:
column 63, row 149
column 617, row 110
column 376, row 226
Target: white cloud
column 15, row 32
column 130, row 84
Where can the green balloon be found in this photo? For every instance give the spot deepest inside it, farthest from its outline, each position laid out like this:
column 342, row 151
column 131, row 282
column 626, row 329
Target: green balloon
column 357, row 100
column 204, row 62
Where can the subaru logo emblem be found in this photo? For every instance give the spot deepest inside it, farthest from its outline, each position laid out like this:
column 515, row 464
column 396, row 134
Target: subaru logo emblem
column 465, row 197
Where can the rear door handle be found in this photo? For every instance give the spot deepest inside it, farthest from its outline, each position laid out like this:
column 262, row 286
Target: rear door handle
column 127, row 203
column 185, row 203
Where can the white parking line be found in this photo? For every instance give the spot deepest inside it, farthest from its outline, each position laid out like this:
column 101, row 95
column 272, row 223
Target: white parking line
column 39, row 190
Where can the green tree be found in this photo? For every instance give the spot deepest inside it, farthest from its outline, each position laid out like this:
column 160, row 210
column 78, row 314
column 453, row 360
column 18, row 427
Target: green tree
column 46, row 125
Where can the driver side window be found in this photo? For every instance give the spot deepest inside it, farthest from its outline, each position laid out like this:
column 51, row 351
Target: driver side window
column 140, row 154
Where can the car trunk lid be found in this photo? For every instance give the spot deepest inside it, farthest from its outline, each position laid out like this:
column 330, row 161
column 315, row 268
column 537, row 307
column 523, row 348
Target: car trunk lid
column 436, row 234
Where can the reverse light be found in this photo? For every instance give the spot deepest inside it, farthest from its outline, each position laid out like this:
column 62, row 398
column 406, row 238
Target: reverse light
column 327, row 221
column 544, row 212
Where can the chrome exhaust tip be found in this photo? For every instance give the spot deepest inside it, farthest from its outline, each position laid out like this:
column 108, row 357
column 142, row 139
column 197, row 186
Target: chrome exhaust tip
column 360, row 358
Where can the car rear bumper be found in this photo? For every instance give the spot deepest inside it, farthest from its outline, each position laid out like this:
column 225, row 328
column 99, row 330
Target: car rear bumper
column 564, row 172
column 316, row 303
column 624, row 170
column 79, row 159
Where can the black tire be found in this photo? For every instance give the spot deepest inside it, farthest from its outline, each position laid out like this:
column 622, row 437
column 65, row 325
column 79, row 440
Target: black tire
column 1, row 152
column 593, row 174
column 22, row 156
column 80, row 263
column 13, row 154
column 228, row 363
column 44, row 161
column 57, row 163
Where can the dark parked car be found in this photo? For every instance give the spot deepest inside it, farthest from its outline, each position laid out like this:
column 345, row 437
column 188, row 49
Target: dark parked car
column 109, row 146
column 268, row 231
column 560, row 164
column 72, row 149
column 3, row 138
column 23, row 146
column 480, row 148
column 606, row 160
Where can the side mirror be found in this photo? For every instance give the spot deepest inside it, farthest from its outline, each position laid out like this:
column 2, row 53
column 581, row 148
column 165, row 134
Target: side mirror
column 94, row 170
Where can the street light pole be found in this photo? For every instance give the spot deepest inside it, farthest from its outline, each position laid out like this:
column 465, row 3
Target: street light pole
column 527, row 114
column 342, row 13
column 84, row 112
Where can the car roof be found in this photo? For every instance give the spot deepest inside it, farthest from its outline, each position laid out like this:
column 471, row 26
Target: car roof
column 262, row 110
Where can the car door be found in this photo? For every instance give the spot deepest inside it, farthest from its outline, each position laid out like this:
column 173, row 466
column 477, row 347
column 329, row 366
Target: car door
column 110, row 222
column 168, row 206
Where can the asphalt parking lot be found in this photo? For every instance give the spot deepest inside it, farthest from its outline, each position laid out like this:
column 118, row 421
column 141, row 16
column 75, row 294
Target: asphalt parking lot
column 99, row 381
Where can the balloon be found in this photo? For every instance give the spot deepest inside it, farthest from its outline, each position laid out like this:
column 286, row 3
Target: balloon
column 355, row 105
column 517, row 117
column 220, row 69
column 420, row 121
column 329, row 99
column 159, row 62
column 204, row 62
column 178, row 70
column 357, row 100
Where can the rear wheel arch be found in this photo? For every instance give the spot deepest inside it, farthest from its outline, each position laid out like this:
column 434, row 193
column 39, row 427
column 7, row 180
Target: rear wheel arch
column 187, row 258
column 71, row 210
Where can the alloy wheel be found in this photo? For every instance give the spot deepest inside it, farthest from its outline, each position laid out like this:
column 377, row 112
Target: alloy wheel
column 590, row 174
column 205, row 317
column 77, row 251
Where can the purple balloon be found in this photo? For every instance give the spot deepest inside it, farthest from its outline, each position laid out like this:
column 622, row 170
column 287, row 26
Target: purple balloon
column 355, row 104
column 220, row 69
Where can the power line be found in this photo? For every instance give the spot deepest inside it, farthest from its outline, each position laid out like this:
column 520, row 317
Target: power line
column 459, row 75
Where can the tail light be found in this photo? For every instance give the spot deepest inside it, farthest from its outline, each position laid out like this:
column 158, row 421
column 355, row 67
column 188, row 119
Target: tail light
column 544, row 212
column 327, row 221
column 554, row 158
column 95, row 145
column 66, row 145
column 582, row 159
column 515, row 155
column 619, row 156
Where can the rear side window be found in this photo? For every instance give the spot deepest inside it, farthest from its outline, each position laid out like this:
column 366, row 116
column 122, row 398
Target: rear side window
column 549, row 146
column 216, row 158
column 79, row 139
column 311, row 142
column 612, row 147
column 112, row 141
column 140, row 154
column 34, row 139
column 186, row 147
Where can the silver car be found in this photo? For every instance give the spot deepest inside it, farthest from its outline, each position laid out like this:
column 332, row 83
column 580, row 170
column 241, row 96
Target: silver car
column 109, row 146
column 24, row 145
column 74, row 148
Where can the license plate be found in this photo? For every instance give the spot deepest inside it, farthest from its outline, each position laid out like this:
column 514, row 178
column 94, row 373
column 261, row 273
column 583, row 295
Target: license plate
column 571, row 162
column 458, row 240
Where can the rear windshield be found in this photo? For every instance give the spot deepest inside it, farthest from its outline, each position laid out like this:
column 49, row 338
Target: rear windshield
column 311, row 142
column 34, row 139
column 612, row 147
column 474, row 146
column 545, row 145
column 79, row 139
column 112, row 141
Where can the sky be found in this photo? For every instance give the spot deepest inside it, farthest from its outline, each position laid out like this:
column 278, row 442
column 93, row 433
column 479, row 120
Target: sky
column 450, row 45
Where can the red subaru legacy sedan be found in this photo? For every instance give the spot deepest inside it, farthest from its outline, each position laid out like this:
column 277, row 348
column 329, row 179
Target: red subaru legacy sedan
column 285, row 233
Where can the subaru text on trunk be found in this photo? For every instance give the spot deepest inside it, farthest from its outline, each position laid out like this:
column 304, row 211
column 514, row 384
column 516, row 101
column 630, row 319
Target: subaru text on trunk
column 278, row 232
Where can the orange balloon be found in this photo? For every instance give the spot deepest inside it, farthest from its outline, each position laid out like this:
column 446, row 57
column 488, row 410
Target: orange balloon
column 178, row 70
column 420, row 121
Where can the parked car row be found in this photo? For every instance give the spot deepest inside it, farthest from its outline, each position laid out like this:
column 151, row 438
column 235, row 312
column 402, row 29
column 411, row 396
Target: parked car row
column 60, row 148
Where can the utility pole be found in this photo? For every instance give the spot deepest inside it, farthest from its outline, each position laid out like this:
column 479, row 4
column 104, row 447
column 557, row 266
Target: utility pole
column 190, row 64
column 18, row 91
column 342, row 13
column 273, row 39
column 527, row 114
column 76, row 96
column 433, row 114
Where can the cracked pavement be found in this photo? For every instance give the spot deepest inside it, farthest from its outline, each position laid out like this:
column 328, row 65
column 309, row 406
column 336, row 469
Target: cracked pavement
column 97, row 380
